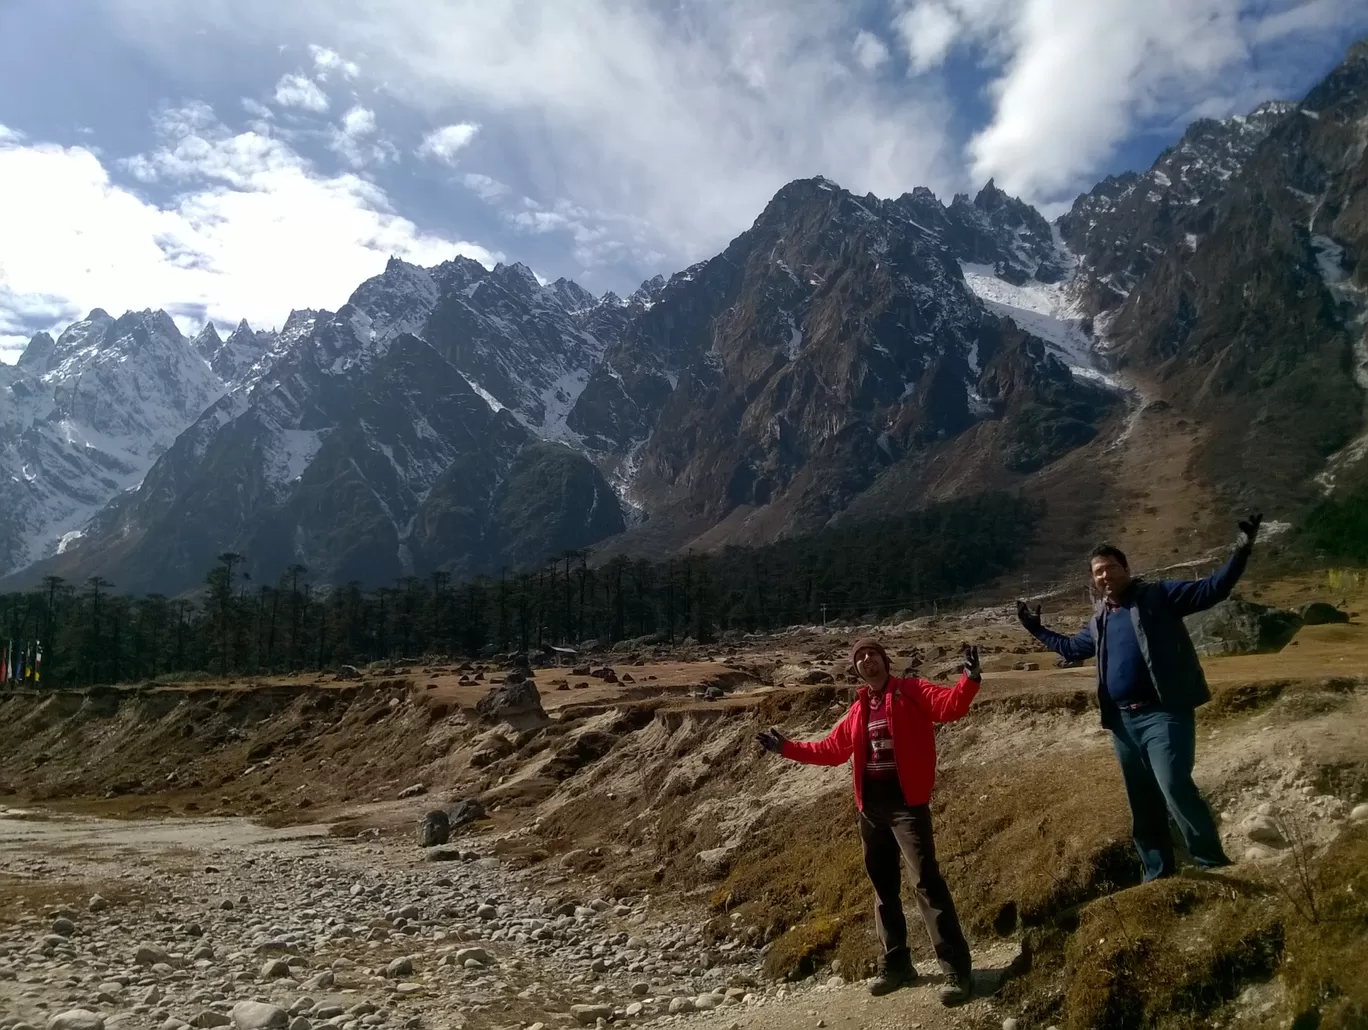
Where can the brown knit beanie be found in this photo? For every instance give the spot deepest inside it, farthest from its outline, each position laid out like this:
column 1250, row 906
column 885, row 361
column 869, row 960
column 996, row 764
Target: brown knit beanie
column 870, row 644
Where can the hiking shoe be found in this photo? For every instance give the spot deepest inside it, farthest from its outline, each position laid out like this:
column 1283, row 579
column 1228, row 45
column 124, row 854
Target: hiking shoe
column 893, row 974
column 957, row 989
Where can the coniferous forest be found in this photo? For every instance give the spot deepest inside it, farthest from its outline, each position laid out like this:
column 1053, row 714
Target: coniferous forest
column 92, row 634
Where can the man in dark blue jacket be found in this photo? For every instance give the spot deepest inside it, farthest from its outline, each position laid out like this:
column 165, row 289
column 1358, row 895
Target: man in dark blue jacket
column 1149, row 682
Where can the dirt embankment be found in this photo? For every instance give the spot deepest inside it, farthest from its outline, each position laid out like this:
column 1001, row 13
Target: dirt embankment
column 646, row 788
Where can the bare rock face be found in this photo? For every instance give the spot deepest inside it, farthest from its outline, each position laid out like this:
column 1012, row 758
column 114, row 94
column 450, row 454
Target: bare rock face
column 518, row 703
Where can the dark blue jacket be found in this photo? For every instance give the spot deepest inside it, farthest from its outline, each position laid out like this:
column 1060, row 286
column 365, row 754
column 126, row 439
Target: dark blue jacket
column 1157, row 611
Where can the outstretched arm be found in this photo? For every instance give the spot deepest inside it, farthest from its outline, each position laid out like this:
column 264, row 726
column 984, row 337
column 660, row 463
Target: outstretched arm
column 1074, row 649
column 833, row 750
column 1188, row 596
column 946, row 704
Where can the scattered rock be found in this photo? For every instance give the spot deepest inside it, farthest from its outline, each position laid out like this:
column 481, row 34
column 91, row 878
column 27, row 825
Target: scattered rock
column 1264, row 829
column 256, row 1015
column 399, row 967
column 715, row 862
column 206, row 1019
column 65, row 927
column 442, row 855
column 588, row 1015
column 148, row 955
column 517, row 703
column 97, row 903
column 76, row 1019
column 274, row 969
column 1359, row 813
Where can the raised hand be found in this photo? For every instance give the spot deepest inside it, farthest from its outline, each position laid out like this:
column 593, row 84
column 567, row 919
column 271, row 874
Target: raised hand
column 1029, row 619
column 970, row 659
column 771, row 740
column 1249, row 529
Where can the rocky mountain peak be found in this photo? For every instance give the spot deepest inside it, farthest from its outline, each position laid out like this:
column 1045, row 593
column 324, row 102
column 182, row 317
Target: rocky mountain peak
column 571, row 295
column 38, row 354
column 207, row 342
column 1119, row 227
column 648, row 292
column 516, row 276
column 146, row 323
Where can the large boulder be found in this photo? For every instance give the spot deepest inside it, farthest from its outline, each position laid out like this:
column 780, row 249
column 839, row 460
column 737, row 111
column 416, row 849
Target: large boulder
column 76, row 1019
column 434, row 829
column 518, row 703
column 257, row 1015
column 466, row 811
column 1321, row 613
column 1237, row 627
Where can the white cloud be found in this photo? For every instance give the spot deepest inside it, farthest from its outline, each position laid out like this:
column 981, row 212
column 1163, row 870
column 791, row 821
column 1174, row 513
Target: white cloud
column 445, row 143
column 1081, row 76
column 358, row 122
column 685, row 118
column 870, row 51
column 300, row 91
column 484, row 186
column 253, row 231
column 326, row 61
column 928, row 29
column 257, row 109
column 351, row 141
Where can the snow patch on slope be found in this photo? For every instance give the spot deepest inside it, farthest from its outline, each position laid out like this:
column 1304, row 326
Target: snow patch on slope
column 484, row 394
column 1044, row 310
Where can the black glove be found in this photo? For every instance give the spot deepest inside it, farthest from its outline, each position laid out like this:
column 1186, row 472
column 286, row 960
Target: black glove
column 771, row 740
column 1029, row 619
column 971, row 662
column 1249, row 529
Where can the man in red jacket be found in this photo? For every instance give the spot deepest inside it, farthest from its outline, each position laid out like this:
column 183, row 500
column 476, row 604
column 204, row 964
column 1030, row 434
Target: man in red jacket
column 889, row 733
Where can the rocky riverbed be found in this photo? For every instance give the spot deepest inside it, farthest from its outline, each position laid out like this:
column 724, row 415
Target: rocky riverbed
column 205, row 923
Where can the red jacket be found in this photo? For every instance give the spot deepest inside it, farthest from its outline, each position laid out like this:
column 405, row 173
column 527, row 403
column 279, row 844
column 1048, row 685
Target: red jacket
column 915, row 704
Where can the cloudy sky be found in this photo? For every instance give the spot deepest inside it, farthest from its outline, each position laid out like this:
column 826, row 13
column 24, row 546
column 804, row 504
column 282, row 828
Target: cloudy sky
column 237, row 158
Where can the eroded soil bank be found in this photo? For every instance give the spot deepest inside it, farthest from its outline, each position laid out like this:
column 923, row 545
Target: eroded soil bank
column 642, row 855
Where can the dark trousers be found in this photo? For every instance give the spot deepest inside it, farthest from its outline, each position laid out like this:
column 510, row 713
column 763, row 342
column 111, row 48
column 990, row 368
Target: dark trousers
column 892, row 830
column 1156, row 748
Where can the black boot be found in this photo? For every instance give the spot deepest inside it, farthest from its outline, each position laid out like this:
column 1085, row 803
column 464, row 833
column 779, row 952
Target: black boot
column 896, row 970
column 957, row 989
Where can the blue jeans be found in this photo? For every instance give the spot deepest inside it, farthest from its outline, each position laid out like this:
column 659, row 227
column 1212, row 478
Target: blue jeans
column 1156, row 748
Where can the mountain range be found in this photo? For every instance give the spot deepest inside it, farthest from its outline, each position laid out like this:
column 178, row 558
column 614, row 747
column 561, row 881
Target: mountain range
column 843, row 357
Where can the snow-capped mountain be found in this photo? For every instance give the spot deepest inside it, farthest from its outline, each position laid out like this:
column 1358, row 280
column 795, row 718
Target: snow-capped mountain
column 463, row 418
column 83, row 418
column 1126, row 222
column 366, row 451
